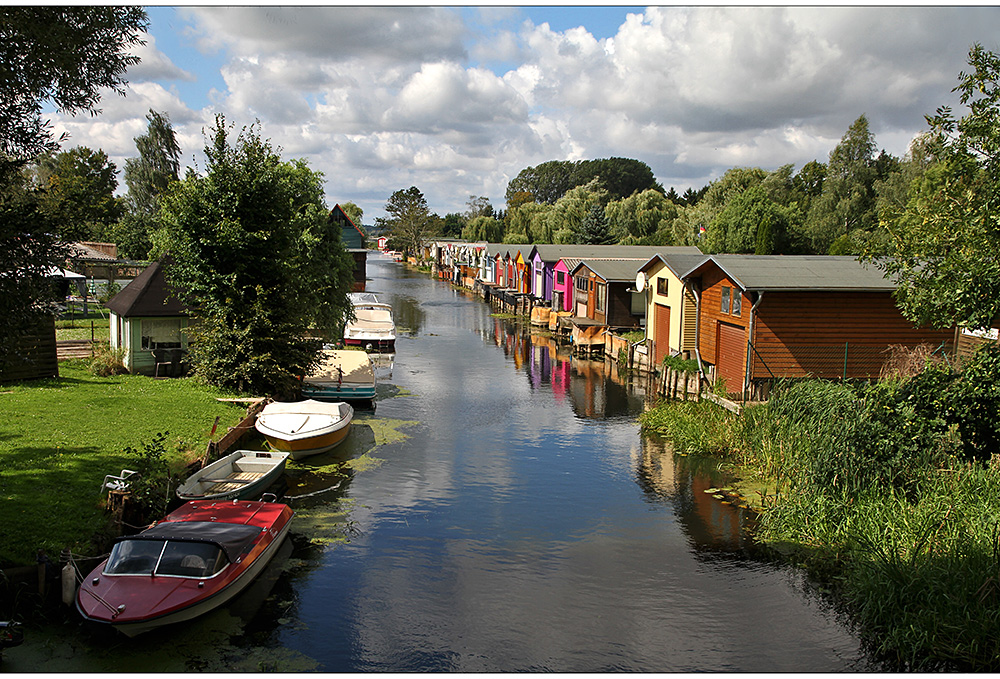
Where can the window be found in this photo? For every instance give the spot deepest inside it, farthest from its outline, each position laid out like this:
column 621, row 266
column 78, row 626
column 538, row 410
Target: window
column 582, row 283
column 161, row 333
column 725, row 299
column 661, row 286
column 737, row 303
column 560, row 278
column 602, row 297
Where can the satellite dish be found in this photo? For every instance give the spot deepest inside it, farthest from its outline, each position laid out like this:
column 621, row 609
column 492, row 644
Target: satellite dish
column 640, row 281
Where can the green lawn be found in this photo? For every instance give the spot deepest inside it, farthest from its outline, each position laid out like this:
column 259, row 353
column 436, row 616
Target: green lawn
column 93, row 326
column 59, row 437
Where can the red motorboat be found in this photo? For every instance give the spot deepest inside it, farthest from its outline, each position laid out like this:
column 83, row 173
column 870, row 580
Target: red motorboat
column 195, row 559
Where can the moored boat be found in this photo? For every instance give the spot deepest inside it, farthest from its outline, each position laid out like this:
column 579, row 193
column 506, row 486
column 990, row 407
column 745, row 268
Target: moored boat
column 304, row 428
column 242, row 475
column 194, row 560
column 372, row 328
column 344, row 375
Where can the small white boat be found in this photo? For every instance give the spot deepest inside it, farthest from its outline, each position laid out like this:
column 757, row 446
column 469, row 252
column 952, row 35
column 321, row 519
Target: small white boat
column 304, row 428
column 373, row 327
column 345, row 375
column 242, row 475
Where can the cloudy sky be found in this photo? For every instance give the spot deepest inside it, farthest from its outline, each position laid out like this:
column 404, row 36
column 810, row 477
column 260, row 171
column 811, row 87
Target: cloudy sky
column 457, row 101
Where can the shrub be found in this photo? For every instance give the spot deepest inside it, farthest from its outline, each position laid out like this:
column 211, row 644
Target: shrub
column 108, row 361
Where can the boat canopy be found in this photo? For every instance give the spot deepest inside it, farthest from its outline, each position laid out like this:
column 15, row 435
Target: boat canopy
column 232, row 538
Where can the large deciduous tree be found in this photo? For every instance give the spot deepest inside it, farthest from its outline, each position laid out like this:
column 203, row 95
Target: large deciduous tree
column 847, row 202
column 77, row 191
column 257, row 259
column 147, row 178
column 642, row 219
column 65, row 56
column 945, row 242
column 408, row 221
column 549, row 181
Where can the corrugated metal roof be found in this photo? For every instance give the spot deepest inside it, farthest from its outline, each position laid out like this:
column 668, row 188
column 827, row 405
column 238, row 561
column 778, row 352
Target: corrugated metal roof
column 799, row 272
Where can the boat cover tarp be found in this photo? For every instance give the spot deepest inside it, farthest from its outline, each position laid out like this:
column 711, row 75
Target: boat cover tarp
column 233, row 538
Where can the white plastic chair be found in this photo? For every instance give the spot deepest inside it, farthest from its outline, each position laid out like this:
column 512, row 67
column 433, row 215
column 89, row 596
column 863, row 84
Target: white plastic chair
column 120, row 482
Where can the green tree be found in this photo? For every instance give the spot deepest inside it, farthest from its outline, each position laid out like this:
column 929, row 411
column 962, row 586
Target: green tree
column 945, row 242
column 76, row 189
column 62, row 56
column 687, row 228
column 641, row 217
column 453, row 225
column 483, row 228
column 750, row 223
column 157, row 166
column 408, row 221
column 353, row 212
column 257, row 258
column 593, row 229
column 847, row 202
column 549, row 181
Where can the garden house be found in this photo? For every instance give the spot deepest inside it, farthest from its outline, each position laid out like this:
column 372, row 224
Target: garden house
column 149, row 322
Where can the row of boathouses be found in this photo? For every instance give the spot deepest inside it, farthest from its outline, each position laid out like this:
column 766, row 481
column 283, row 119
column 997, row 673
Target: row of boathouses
column 747, row 320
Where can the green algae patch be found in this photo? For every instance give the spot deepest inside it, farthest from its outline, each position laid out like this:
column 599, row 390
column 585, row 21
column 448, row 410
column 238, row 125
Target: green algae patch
column 325, row 524
column 364, row 463
column 387, row 431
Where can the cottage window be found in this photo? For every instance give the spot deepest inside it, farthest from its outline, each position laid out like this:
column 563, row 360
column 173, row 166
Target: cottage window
column 161, row 333
column 560, row 277
column 582, row 284
column 661, row 286
column 725, row 299
column 737, row 303
column 602, row 297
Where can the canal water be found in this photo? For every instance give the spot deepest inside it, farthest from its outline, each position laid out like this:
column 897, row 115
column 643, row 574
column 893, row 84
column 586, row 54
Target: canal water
column 503, row 513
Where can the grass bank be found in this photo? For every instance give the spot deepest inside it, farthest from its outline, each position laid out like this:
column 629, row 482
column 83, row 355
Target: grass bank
column 886, row 491
column 59, row 437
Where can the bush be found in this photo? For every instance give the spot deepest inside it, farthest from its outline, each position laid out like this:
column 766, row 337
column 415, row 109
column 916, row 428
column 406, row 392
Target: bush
column 108, row 361
column 150, row 489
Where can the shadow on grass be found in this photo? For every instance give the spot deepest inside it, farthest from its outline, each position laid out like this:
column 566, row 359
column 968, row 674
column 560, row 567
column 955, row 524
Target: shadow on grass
column 52, row 500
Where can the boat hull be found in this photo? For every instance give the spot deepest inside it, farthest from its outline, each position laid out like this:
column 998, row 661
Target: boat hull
column 380, row 345
column 312, row 446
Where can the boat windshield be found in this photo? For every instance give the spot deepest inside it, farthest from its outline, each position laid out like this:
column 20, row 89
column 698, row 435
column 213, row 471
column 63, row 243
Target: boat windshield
column 166, row 557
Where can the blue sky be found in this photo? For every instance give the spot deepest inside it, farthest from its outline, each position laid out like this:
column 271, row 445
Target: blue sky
column 457, row 100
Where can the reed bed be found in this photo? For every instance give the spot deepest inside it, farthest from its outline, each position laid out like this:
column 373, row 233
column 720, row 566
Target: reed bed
column 887, row 491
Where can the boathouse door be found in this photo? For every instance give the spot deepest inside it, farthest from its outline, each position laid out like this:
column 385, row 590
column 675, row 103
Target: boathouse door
column 731, row 348
column 661, row 332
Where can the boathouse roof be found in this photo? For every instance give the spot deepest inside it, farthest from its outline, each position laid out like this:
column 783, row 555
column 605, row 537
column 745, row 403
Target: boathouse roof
column 611, row 270
column 797, row 272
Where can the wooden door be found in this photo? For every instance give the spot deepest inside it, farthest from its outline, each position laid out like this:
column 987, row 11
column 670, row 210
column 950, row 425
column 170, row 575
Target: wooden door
column 661, row 332
column 731, row 348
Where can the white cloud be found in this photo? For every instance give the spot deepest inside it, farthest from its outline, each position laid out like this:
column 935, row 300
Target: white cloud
column 155, row 65
column 382, row 98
